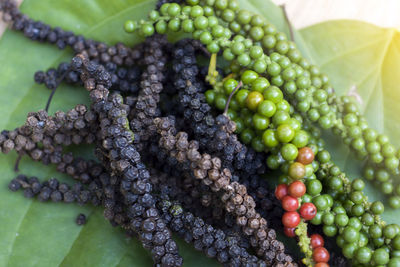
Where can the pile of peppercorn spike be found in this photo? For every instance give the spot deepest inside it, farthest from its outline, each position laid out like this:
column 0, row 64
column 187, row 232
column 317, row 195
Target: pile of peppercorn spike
column 143, row 111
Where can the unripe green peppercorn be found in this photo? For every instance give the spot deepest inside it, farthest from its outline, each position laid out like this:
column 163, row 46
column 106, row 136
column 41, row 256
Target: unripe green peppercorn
column 260, row 66
column 187, row 25
column 375, row 231
column 248, row 77
column 341, row 220
column 257, row 144
column 394, row 262
column 281, row 117
column 329, row 230
column 228, row 15
column 285, row 133
column 328, row 218
column 317, row 219
column 205, row 38
column 220, row 101
column 247, row 135
column 129, row 26
column 256, row 33
column 273, row 94
column 244, row 17
column 289, row 152
column 273, row 162
column 192, row 2
column 314, row 187
column 266, row 108
column 350, row 234
column 269, row 138
column 256, row 52
column 320, row 202
column 380, row 256
column 340, row 241
column 269, row 41
column 394, row 202
column 230, row 85
column 348, row 250
column 389, row 231
column 323, row 156
column 259, row 84
column 241, row 97
column 174, row 9
column 147, row 29
column 174, row 24
column 363, row 254
column 161, row 27
column 300, row 139
column 355, row 223
column 257, row 20
column 253, row 100
column 221, row 4
column 260, row 122
column 395, row 242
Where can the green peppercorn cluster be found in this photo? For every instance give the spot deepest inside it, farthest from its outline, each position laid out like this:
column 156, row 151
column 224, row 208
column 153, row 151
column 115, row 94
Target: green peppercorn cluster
column 355, row 221
column 282, row 97
column 261, row 114
column 381, row 157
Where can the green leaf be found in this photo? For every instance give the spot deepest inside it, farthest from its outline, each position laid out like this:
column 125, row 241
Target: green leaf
column 364, row 59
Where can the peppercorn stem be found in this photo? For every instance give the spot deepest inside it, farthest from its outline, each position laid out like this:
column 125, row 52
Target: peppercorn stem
column 55, row 88
column 230, row 97
column 16, row 166
column 212, row 69
column 304, row 243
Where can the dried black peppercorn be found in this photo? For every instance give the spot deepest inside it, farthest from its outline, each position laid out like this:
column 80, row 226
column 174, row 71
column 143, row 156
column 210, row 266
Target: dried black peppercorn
column 80, row 219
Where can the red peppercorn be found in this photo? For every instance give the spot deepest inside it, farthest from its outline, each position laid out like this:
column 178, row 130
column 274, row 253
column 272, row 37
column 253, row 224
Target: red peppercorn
column 317, row 241
column 289, row 231
column 281, row 191
column 291, row 219
column 321, row 264
column 321, row 255
column 297, row 189
column 308, row 211
column 305, row 156
column 290, row 203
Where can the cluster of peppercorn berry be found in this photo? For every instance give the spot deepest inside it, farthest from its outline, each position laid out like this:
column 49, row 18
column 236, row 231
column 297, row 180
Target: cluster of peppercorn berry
column 262, row 116
column 320, row 103
column 291, row 219
column 353, row 214
column 89, row 84
column 236, row 200
column 304, row 86
column 223, row 139
column 119, row 54
column 54, row 132
column 380, row 156
column 123, row 79
column 289, row 130
column 254, row 48
column 219, row 242
column 312, row 95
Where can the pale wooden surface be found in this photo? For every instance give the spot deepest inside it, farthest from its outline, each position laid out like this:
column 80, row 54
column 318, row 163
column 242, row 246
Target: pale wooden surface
column 303, row 13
